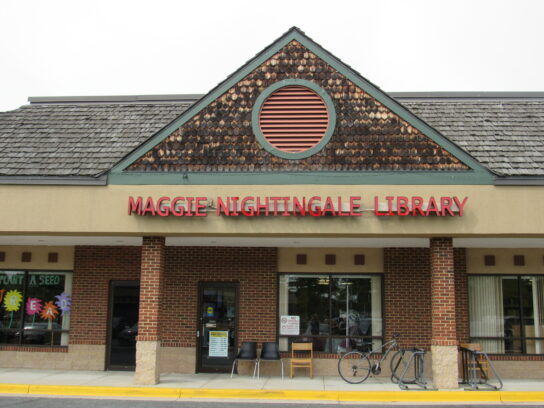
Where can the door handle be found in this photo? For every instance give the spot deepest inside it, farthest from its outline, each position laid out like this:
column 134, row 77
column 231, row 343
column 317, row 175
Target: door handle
column 198, row 333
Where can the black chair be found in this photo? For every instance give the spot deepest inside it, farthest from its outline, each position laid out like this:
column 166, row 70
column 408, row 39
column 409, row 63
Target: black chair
column 270, row 352
column 248, row 351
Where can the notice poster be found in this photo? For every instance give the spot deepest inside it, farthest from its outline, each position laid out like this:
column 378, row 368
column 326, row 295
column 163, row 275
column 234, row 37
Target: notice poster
column 289, row 325
column 219, row 344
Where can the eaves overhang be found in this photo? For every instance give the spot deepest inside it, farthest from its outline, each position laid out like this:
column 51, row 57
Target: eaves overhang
column 519, row 181
column 52, row 180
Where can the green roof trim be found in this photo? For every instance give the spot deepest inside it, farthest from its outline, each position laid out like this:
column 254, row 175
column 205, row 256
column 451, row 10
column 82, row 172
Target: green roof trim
column 340, row 178
column 478, row 174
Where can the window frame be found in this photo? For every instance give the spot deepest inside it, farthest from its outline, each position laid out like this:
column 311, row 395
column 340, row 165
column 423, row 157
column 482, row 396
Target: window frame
column 330, row 336
column 522, row 338
column 21, row 330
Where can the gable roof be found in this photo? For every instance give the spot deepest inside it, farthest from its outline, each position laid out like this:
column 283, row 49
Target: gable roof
column 392, row 139
column 82, row 137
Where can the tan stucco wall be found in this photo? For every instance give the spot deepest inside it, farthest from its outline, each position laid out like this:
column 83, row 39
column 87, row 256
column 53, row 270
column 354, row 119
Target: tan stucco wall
column 177, row 360
column 520, row 369
column 504, row 261
column 147, row 362
column 39, row 257
column 78, row 357
column 490, row 210
column 316, row 260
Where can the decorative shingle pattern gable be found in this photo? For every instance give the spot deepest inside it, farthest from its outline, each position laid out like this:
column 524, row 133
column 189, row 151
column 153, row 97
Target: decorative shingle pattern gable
column 368, row 136
column 506, row 136
column 76, row 140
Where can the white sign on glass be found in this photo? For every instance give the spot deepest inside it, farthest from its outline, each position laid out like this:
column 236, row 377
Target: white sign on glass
column 289, row 325
column 219, row 344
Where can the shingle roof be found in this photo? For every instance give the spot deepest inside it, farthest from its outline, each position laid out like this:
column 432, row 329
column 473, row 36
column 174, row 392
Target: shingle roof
column 507, row 136
column 78, row 139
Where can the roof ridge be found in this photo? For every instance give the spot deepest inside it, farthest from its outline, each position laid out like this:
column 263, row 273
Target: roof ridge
column 126, row 99
column 464, row 95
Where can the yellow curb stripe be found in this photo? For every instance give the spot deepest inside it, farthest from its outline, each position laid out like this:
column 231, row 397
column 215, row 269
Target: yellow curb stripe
column 421, row 396
column 90, row 391
column 258, row 394
column 522, row 396
column 14, row 388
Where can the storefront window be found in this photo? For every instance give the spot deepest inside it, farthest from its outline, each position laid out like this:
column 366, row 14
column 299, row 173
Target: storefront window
column 35, row 307
column 337, row 313
column 507, row 313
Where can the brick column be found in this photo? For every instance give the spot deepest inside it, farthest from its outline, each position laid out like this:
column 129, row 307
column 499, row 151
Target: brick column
column 444, row 327
column 151, row 283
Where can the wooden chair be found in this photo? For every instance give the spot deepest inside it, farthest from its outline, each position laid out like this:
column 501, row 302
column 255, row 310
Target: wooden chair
column 302, row 357
column 482, row 365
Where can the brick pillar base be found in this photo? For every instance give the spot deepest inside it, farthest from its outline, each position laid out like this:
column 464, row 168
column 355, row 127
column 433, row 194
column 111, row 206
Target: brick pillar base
column 444, row 327
column 444, row 367
column 147, row 362
column 151, row 284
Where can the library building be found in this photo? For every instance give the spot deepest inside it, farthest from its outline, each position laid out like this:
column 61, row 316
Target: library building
column 294, row 202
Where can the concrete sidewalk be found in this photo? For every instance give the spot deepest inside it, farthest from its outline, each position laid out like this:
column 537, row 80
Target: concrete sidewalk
column 221, row 386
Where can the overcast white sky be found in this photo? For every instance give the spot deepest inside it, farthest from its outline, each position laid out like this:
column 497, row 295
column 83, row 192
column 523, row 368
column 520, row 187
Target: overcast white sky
column 118, row 47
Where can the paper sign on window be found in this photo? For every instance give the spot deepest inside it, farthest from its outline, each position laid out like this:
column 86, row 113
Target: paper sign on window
column 219, row 344
column 289, row 325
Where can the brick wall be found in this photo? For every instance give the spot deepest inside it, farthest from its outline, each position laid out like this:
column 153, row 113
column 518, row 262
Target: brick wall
column 94, row 267
column 444, row 325
column 254, row 268
column 152, row 302
column 407, row 300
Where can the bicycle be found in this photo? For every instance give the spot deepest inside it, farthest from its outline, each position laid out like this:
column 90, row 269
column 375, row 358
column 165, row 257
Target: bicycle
column 355, row 367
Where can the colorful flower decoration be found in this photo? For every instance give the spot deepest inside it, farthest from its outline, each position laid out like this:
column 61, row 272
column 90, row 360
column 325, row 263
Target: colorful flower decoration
column 64, row 302
column 33, row 306
column 49, row 311
column 12, row 300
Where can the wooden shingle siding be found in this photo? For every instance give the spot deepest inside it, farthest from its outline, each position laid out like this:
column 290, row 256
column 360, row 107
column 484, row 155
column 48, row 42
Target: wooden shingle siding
column 368, row 136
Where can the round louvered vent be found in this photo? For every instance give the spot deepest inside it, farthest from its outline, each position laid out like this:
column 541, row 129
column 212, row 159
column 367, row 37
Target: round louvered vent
column 294, row 119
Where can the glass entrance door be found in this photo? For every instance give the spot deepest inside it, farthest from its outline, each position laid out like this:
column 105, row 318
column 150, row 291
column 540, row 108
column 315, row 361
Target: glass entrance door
column 123, row 327
column 217, row 312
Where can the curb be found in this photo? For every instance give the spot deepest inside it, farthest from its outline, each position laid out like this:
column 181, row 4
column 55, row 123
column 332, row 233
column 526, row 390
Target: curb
column 302, row 395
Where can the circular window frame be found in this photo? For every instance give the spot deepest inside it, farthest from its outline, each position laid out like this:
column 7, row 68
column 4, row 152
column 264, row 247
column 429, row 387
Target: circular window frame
column 257, row 113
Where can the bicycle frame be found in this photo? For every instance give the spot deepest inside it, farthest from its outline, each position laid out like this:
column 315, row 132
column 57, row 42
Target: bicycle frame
column 388, row 346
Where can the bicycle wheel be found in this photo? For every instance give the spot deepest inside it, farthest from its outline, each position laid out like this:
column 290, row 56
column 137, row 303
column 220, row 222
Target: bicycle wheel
column 399, row 363
column 354, row 367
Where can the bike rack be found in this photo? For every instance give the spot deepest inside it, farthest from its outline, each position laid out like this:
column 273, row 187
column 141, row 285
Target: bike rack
column 417, row 361
column 474, row 372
